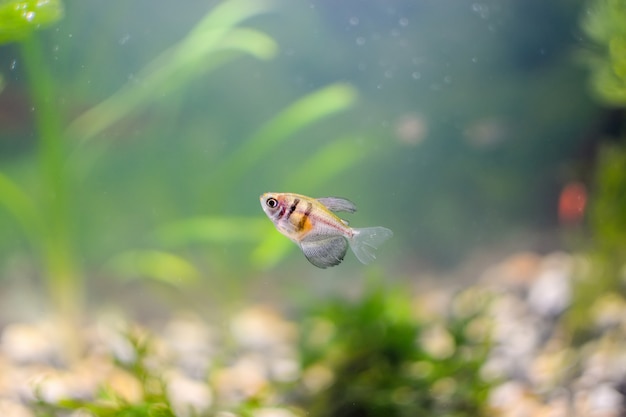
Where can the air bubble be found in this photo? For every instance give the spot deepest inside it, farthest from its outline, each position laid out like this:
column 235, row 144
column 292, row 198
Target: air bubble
column 13, row 65
column 360, row 41
column 416, row 75
column 29, row 16
column 481, row 9
column 404, row 21
column 354, row 21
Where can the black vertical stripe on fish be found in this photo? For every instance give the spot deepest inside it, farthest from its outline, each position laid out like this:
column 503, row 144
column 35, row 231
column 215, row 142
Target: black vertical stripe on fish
column 292, row 208
column 305, row 216
column 281, row 212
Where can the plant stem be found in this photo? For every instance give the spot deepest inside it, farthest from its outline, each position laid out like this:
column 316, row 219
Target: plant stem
column 62, row 278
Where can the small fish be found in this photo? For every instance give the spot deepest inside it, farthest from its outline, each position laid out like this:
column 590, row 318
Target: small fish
column 322, row 236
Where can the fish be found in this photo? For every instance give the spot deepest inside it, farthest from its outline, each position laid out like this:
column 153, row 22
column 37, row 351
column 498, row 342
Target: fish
column 322, row 236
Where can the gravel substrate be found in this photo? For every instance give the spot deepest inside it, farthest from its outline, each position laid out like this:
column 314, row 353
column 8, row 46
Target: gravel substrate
column 536, row 369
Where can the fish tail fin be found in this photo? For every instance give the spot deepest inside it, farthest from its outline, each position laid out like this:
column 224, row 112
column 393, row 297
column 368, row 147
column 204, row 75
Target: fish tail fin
column 365, row 241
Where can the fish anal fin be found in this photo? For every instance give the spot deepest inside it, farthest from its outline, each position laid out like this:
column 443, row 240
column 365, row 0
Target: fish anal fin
column 324, row 251
column 338, row 204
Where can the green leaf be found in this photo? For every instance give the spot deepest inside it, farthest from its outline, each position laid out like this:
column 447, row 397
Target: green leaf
column 272, row 250
column 16, row 202
column 304, row 112
column 19, row 18
column 156, row 265
column 213, row 230
column 327, row 163
column 213, row 42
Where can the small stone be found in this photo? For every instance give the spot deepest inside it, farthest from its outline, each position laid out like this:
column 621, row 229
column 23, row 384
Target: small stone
column 126, row 385
column 246, row 378
column 28, row 343
column 13, row 409
column 438, row 342
column 516, row 272
column 273, row 412
column 261, row 328
column 187, row 396
column 317, row 377
column 551, row 293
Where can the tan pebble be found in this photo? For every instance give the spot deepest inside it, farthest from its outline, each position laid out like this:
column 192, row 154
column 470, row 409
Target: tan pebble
column 125, row 385
column 431, row 305
column 609, row 311
column 517, row 271
column 51, row 385
column 187, row 396
column 438, row 342
column 317, row 377
column 261, row 327
column 273, row 412
column 600, row 401
column 26, row 343
column 549, row 368
column 13, row 409
column 245, row 379
column 225, row 414
column 284, row 368
column 557, row 407
column 513, row 399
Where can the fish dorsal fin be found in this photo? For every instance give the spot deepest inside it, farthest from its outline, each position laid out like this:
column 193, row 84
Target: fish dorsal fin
column 324, row 251
column 338, row 204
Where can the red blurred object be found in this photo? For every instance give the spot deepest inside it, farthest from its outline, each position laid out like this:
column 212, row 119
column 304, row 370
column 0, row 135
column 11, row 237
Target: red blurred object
column 572, row 203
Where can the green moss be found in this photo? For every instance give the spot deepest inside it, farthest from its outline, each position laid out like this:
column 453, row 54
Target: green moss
column 384, row 361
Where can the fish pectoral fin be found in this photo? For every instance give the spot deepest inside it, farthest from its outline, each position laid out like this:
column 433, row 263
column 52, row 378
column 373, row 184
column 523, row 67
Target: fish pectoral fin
column 324, row 251
column 338, row 204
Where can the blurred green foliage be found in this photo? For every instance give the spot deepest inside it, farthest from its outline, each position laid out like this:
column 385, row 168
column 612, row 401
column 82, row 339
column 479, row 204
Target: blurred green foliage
column 18, row 18
column 377, row 357
column 606, row 253
column 45, row 219
column 608, row 217
column 48, row 219
column 605, row 23
column 109, row 403
column 380, row 355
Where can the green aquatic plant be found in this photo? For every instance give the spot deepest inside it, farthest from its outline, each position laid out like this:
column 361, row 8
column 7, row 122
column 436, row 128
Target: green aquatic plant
column 297, row 116
column 20, row 18
column 607, row 245
column 376, row 357
column 47, row 219
column 149, row 388
column 605, row 24
column 215, row 41
column 153, row 402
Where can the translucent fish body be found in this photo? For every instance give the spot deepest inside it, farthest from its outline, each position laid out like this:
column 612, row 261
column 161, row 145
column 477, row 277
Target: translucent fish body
column 322, row 236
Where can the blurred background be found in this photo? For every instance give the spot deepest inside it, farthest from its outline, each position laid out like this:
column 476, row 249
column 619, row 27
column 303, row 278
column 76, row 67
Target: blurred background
column 455, row 124
column 136, row 138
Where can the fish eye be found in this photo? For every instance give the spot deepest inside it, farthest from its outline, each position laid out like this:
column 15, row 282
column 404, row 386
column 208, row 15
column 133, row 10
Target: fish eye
column 272, row 202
